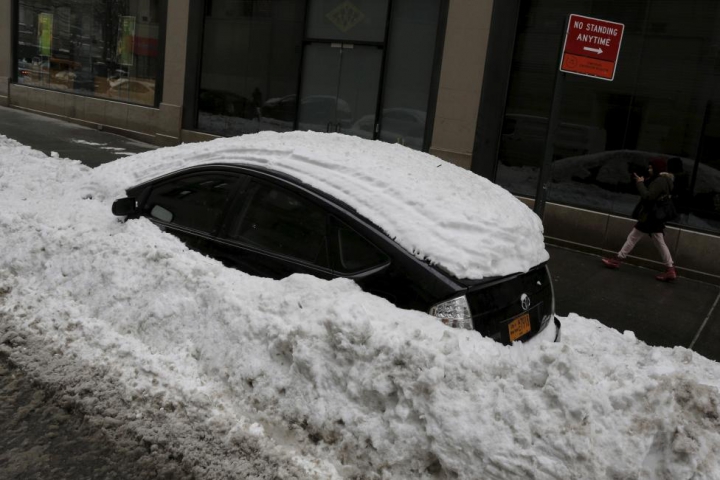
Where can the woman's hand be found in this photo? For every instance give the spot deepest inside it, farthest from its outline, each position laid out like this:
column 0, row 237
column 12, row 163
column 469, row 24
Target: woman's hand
column 638, row 179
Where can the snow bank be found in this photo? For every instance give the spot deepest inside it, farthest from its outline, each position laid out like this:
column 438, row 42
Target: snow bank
column 318, row 378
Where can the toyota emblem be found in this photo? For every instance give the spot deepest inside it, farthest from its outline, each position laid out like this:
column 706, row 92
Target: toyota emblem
column 525, row 301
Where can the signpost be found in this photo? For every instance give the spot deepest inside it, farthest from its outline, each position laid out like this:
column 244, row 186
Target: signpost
column 591, row 48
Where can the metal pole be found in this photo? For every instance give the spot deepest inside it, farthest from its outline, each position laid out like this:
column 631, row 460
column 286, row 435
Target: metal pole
column 546, row 167
column 553, row 121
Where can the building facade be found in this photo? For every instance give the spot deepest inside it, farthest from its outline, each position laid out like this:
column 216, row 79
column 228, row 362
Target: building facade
column 470, row 81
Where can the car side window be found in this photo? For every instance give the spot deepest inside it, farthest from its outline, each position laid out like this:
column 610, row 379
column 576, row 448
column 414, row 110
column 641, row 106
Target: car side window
column 194, row 201
column 356, row 253
column 280, row 221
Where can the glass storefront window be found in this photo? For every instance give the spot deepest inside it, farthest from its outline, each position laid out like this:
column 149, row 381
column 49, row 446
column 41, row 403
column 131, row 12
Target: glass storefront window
column 355, row 67
column 408, row 74
column 350, row 21
column 250, row 62
column 663, row 103
column 103, row 48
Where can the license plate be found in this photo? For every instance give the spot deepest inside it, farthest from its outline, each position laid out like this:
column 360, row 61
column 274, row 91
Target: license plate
column 519, row 327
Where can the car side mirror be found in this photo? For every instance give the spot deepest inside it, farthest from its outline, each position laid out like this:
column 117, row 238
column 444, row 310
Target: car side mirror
column 124, row 206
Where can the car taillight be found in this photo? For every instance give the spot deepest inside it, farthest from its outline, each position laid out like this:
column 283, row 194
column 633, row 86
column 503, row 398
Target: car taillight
column 454, row 313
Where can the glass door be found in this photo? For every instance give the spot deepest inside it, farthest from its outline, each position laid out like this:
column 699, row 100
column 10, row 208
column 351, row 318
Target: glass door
column 340, row 87
column 319, row 87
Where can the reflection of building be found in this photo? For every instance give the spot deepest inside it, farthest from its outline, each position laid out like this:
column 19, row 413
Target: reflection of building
column 471, row 82
column 524, row 135
column 78, row 46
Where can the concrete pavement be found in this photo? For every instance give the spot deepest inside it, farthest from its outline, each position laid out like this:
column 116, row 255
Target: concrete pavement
column 685, row 313
column 90, row 146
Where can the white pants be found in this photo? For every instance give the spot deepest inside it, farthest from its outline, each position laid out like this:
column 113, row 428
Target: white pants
column 657, row 238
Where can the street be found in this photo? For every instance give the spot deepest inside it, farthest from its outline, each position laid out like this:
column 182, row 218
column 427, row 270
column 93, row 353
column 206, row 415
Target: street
column 46, row 436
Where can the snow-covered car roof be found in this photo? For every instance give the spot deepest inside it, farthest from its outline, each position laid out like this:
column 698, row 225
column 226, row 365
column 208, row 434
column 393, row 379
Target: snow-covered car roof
column 441, row 213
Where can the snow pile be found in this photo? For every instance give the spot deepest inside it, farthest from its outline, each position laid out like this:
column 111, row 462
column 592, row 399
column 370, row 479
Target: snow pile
column 319, row 378
column 436, row 210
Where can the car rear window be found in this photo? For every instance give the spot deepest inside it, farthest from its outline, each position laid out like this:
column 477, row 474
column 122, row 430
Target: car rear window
column 280, row 221
column 357, row 253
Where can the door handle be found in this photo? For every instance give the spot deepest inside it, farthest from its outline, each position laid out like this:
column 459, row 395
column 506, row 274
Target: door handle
column 337, row 127
column 327, row 128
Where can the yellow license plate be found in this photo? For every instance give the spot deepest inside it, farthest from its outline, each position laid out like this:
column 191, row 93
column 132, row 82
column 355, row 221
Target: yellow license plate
column 519, row 327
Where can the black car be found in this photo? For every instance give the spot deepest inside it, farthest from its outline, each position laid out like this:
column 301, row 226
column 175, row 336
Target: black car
column 270, row 224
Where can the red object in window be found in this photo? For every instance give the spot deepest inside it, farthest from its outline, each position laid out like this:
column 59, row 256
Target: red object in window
column 145, row 46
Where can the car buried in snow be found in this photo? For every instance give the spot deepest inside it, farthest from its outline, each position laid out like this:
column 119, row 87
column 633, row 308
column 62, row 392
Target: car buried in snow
column 404, row 225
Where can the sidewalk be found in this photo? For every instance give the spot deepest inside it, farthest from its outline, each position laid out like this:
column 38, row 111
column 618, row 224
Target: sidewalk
column 685, row 313
column 92, row 147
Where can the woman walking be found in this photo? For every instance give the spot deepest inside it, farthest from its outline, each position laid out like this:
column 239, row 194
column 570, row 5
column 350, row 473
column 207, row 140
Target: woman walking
column 660, row 186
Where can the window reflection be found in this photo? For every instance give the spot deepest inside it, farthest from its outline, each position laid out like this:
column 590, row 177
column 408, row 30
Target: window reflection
column 194, row 201
column 250, row 61
column 662, row 103
column 282, row 222
column 408, row 72
column 705, row 178
column 350, row 21
column 340, row 86
column 104, row 48
column 400, row 125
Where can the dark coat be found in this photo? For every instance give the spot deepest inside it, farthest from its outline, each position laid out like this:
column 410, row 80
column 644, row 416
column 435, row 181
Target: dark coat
column 660, row 186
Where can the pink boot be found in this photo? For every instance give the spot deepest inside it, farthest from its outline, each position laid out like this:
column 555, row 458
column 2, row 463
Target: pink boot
column 668, row 276
column 613, row 263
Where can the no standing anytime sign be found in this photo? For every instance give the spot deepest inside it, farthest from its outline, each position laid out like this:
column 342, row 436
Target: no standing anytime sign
column 591, row 47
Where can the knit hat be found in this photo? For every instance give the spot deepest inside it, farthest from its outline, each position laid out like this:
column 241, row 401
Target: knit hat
column 659, row 165
column 675, row 165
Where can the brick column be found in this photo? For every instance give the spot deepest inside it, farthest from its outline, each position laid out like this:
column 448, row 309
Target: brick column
column 170, row 116
column 461, row 77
